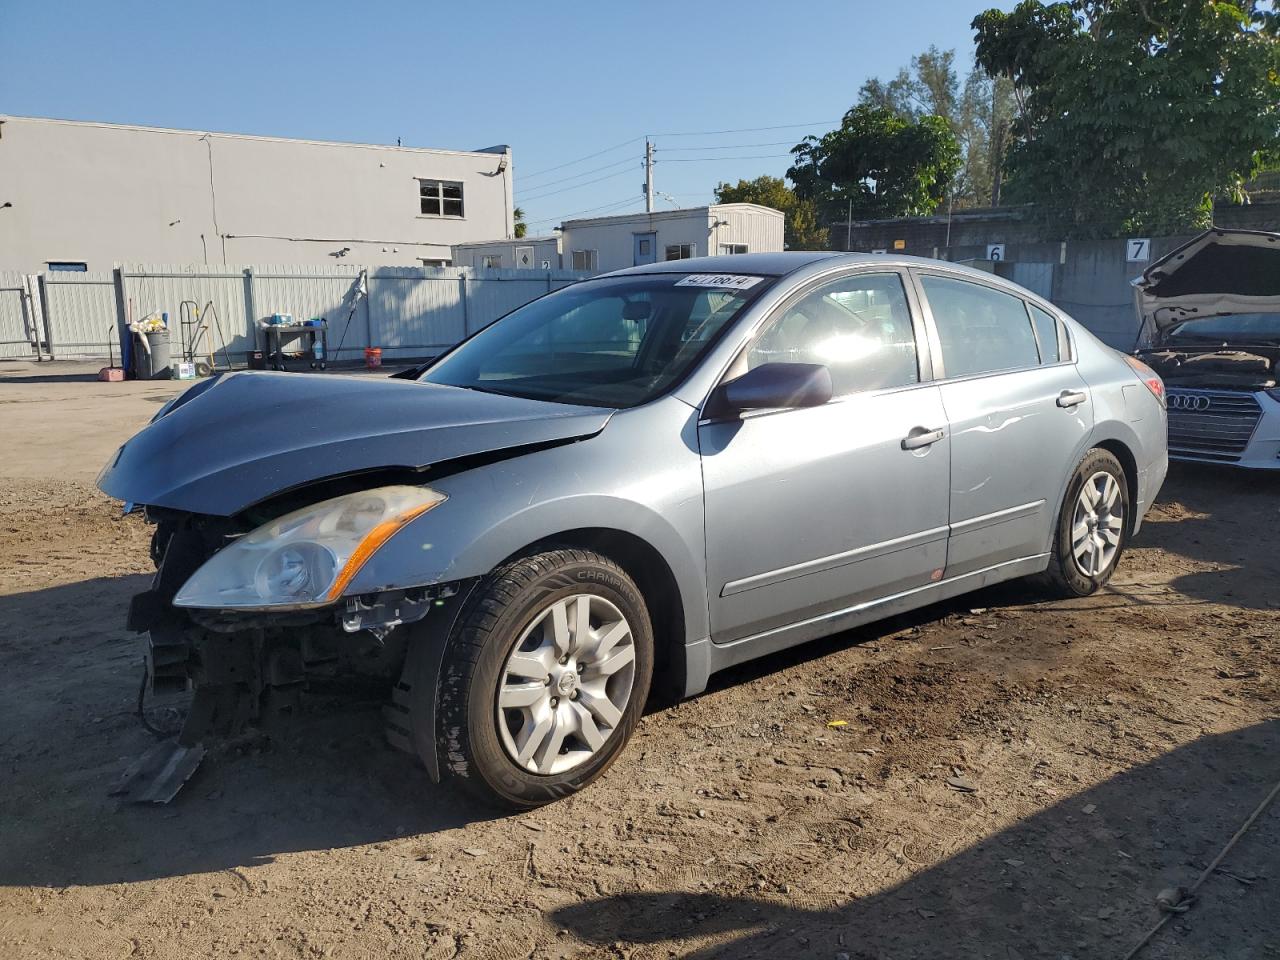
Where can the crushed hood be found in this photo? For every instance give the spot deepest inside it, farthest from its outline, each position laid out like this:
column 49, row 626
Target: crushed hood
column 244, row 437
column 1218, row 272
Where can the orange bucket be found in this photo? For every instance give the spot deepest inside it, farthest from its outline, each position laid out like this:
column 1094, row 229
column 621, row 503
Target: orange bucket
column 373, row 357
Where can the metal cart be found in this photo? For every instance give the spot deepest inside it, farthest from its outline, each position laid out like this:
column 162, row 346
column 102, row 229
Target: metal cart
column 308, row 342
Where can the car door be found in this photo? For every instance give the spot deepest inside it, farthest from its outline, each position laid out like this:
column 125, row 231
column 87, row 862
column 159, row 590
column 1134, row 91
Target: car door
column 1017, row 411
column 816, row 509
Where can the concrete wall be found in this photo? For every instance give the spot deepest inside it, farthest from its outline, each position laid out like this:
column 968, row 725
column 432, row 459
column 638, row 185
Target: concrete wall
column 1090, row 279
column 101, row 194
column 613, row 237
column 509, row 253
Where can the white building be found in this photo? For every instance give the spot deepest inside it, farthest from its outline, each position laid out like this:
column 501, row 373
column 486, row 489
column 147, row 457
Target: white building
column 84, row 196
column 600, row 244
column 526, row 253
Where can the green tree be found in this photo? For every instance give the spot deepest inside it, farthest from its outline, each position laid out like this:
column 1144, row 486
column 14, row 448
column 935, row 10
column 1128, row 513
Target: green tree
column 801, row 217
column 978, row 113
column 1134, row 114
column 879, row 163
column 520, row 228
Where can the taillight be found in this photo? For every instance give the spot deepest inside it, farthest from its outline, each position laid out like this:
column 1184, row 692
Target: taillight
column 1147, row 376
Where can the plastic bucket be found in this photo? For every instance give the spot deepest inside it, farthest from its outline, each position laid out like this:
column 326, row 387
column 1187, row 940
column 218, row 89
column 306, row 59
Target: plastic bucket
column 373, row 357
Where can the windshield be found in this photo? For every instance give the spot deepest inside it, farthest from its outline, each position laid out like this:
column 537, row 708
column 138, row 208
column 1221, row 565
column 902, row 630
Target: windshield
column 612, row 342
column 1235, row 326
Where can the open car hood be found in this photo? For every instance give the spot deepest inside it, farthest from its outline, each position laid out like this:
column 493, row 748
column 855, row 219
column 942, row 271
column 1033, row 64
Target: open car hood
column 1218, row 272
column 241, row 438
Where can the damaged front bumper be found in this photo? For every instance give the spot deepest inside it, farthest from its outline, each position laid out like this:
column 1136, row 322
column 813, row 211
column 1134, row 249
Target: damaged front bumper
column 244, row 669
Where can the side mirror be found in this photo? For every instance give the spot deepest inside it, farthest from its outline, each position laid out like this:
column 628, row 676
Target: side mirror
column 777, row 385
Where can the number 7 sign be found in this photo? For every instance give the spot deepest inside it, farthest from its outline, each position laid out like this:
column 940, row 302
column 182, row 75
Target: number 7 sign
column 1138, row 250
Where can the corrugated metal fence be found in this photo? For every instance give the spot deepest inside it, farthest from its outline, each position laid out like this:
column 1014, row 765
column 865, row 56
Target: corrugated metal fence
column 407, row 311
column 19, row 322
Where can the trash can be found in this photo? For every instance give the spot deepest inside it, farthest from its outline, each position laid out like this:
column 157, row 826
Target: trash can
column 151, row 360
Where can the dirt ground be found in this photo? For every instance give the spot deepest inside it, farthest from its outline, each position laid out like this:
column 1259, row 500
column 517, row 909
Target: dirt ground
column 1113, row 746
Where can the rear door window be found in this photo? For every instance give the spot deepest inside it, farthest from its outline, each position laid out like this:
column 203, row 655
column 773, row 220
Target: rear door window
column 1047, row 334
column 980, row 329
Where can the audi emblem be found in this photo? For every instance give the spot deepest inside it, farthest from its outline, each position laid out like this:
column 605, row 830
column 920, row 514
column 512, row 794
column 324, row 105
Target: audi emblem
column 1188, row 401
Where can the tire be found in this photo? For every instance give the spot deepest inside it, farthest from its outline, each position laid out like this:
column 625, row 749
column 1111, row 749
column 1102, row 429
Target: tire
column 1076, row 569
column 509, row 632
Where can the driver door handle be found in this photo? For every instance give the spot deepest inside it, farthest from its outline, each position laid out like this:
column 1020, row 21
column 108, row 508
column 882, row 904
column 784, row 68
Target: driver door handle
column 920, row 437
column 1072, row 398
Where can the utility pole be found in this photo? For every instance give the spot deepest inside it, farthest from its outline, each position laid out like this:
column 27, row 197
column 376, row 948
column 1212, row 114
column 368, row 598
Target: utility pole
column 648, row 176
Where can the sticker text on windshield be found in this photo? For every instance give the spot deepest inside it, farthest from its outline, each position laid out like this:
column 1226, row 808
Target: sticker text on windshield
column 730, row 280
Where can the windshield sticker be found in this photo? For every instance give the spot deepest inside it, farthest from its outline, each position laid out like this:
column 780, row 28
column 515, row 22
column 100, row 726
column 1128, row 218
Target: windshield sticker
column 730, row 280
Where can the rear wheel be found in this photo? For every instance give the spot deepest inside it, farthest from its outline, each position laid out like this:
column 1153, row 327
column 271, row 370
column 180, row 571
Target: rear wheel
column 545, row 679
column 1093, row 526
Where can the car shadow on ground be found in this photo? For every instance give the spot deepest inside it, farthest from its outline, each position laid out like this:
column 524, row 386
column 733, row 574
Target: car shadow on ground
column 1110, row 848
column 324, row 779
column 69, row 680
column 1193, row 497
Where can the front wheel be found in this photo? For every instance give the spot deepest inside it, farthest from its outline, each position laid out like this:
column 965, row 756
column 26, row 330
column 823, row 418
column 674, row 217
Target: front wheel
column 1093, row 526
column 545, row 678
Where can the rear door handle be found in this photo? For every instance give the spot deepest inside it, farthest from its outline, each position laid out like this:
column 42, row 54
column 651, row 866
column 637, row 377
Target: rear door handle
column 920, row 437
column 1072, row 398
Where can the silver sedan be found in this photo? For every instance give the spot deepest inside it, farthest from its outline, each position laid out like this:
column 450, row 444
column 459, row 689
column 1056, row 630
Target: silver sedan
column 643, row 478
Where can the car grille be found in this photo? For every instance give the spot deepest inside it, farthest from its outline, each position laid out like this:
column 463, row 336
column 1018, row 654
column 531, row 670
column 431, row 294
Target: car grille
column 1211, row 424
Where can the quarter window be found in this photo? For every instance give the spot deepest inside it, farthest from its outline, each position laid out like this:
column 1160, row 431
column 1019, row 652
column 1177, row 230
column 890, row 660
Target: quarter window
column 680, row 251
column 1047, row 334
column 859, row 327
column 980, row 330
column 440, row 198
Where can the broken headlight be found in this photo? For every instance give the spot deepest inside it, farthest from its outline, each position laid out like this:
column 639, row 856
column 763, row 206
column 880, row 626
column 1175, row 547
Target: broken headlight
column 305, row 558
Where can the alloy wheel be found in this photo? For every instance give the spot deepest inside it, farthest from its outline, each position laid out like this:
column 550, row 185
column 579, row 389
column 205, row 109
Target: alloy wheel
column 1097, row 524
column 566, row 684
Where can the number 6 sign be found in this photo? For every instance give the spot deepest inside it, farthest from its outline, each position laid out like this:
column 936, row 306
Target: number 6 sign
column 995, row 251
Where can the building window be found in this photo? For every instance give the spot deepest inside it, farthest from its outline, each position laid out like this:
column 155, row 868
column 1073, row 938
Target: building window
column 67, row 266
column 679, row 251
column 490, row 261
column 733, row 248
column 440, row 198
column 584, row 260
column 435, row 262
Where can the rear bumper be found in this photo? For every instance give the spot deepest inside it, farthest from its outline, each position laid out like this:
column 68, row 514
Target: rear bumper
column 1150, row 481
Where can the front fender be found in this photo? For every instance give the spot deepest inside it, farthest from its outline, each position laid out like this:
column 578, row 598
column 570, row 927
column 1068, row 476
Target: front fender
column 639, row 477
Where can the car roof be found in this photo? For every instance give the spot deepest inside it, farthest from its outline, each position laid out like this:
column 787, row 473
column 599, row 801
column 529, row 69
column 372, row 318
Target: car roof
column 782, row 263
column 756, row 264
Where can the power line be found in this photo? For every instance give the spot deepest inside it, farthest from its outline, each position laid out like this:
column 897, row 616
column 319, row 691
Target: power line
column 576, row 186
column 584, row 173
column 578, row 213
column 716, row 133
column 589, row 156
column 728, row 146
column 688, row 133
column 758, row 156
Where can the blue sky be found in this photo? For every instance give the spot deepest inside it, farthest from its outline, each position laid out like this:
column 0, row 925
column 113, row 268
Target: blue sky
column 557, row 81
